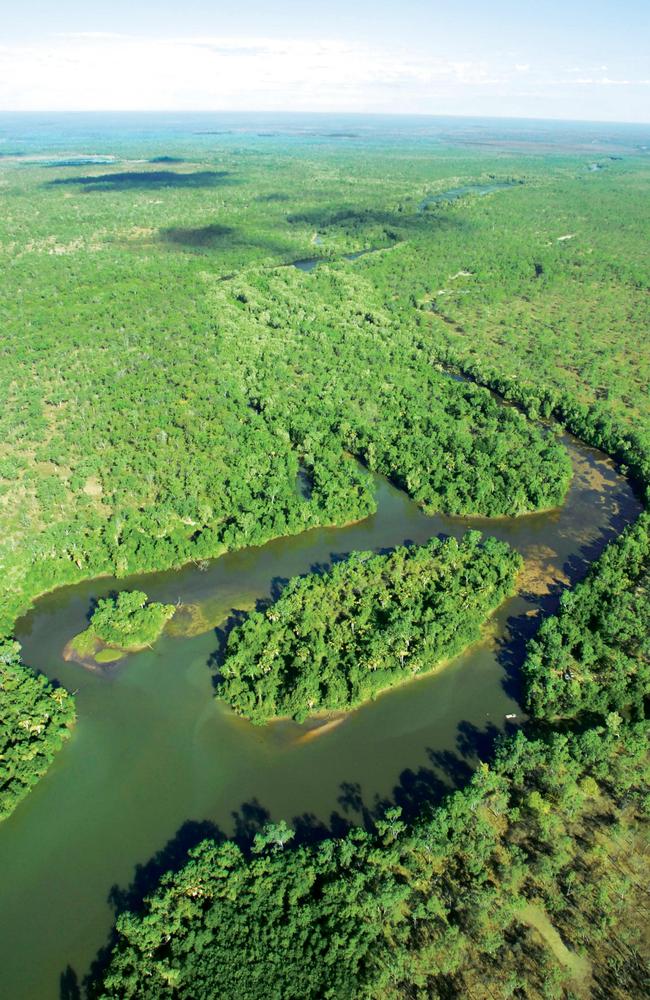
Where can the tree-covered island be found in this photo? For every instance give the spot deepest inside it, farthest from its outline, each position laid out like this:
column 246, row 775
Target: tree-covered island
column 120, row 624
column 335, row 640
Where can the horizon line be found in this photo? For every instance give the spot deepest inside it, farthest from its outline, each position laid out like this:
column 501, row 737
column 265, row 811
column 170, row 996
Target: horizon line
column 286, row 111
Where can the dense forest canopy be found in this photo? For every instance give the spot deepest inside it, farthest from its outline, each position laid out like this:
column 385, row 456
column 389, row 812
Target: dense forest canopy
column 34, row 722
column 447, row 908
column 594, row 656
column 173, row 389
column 128, row 619
column 243, row 393
column 332, row 641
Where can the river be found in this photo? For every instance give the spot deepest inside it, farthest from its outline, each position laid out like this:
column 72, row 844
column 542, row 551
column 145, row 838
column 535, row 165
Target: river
column 154, row 751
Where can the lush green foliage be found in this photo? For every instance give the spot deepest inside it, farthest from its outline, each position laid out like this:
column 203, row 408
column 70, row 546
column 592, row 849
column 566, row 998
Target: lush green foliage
column 128, row 621
column 595, row 654
column 156, row 412
column 448, row 444
column 540, row 292
column 34, row 721
column 332, row 641
column 442, row 909
column 218, row 391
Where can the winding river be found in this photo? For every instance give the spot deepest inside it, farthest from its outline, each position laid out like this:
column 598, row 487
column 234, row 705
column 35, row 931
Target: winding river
column 153, row 753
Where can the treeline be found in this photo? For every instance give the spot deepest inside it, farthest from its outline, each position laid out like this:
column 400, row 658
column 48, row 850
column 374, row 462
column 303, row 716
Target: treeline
column 333, row 641
column 460, row 905
column 593, row 423
column 594, row 655
column 35, row 717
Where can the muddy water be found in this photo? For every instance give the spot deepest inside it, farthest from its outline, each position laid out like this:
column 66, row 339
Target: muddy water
column 153, row 750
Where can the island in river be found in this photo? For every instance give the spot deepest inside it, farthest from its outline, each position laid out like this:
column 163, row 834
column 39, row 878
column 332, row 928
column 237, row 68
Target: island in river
column 334, row 640
column 120, row 624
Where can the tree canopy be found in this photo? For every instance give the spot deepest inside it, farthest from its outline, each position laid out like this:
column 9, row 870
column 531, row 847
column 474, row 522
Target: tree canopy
column 332, row 641
column 128, row 620
column 439, row 909
column 35, row 720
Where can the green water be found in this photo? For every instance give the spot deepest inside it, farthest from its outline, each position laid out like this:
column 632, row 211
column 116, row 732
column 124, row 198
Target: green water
column 153, row 749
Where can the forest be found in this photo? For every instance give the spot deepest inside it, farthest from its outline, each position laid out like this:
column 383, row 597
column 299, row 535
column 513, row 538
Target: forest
column 444, row 908
column 35, row 722
column 594, row 655
column 174, row 389
column 334, row 640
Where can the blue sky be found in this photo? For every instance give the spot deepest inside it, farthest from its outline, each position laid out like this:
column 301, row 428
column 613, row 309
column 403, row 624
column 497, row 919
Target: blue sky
column 546, row 59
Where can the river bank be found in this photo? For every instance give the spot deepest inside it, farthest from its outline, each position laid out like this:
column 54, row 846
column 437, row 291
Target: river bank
column 156, row 760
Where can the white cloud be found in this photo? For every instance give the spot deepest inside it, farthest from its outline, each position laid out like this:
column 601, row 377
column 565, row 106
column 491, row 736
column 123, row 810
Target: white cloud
column 104, row 71
column 85, row 71
column 101, row 71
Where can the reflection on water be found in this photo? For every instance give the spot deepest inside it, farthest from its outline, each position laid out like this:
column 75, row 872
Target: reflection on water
column 154, row 753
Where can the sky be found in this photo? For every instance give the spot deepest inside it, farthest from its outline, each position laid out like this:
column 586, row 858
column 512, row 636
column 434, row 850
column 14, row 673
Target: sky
column 568, row 59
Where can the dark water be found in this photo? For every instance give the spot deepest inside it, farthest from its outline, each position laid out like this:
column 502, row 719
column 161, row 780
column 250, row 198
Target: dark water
column 310, row 263
column 153, row 749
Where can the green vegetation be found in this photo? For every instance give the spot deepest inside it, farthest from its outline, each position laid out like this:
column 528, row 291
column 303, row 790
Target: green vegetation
column 169, row 384
column 128, row 621
column 469, row 901
column 35, row 718
column 140, row 437
column 450, row 445
column 333, row 641
column 108, row 655
column 441, row 909
column 124, row 622
column 594, row 656
column 157, row 413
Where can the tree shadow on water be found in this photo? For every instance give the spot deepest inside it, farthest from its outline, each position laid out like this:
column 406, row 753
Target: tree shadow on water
column 421, row 790
column 69, row 988
column 249, row 820
column 216, row 658
column 351, row 801
column 476, row 744
column 416, row 791
column 512, row 646
column 171, row 858
column 278, row 583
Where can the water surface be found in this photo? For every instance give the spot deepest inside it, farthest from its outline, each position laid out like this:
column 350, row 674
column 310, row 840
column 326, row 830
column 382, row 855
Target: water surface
column 153, row 749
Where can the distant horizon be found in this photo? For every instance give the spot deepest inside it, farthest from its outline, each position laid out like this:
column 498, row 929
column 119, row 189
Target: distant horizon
column 323, row 113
